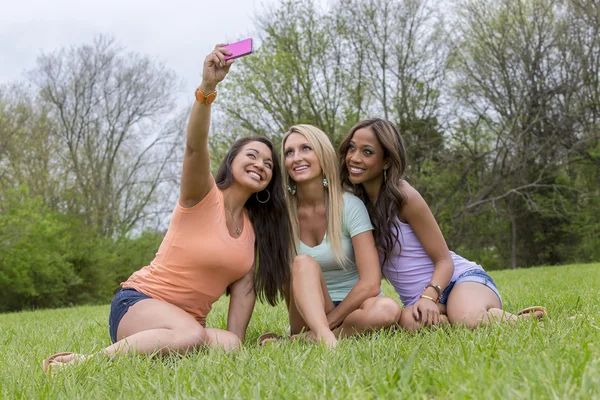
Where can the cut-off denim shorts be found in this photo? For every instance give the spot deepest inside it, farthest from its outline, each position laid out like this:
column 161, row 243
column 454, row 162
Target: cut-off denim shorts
column 124, row 298
column 474, row 275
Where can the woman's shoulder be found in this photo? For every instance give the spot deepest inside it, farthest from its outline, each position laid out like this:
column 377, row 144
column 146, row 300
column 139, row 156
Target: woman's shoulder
column 413, row 202
column 409, row 193
column 349, row 197
column 351, row 202
column 213, row 199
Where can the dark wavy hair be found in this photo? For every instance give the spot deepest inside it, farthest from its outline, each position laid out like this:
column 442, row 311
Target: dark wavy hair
column 271, row 225
column 390, row 199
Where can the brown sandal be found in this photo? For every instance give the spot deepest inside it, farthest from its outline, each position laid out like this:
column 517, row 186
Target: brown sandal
column 49, row 362
column 268, row 337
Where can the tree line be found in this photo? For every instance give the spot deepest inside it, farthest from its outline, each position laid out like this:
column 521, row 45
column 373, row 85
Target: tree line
column 498, row 101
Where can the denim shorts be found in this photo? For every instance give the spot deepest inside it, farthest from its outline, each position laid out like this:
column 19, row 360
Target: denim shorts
column 474, row 275
column 124, row 298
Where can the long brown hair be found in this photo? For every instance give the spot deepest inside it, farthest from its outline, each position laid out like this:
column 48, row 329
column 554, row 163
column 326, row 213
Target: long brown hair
column 390, row 200
column 271, row 225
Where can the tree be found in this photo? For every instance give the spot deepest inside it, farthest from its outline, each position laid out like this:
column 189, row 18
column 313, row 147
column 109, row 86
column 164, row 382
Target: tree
column 35, row 269
column 514, row 90
column 112, row 120
column 27, row 147
column 298, row 75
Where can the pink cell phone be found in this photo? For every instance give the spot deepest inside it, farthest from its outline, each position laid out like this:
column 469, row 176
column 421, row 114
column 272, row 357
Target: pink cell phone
column 239, row 49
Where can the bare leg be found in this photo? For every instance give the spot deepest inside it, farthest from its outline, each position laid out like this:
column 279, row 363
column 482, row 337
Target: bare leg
column 310, row 301
column 224, row 339
column 374, row 313
column 472, row 304
column 153, row 326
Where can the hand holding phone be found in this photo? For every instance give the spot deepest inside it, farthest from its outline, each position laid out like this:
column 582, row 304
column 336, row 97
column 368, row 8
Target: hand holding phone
column 239, row 49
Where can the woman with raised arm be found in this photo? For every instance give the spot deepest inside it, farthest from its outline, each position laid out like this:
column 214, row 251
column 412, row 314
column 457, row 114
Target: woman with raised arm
column 232, row 231
column 336, row 281
column 435, row 284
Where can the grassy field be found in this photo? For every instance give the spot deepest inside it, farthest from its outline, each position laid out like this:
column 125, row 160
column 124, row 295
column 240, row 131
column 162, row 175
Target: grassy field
column 559, row 359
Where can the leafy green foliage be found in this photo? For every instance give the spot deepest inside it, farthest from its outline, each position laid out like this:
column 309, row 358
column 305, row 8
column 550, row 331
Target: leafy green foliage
column 49, row 259
column 34, row 249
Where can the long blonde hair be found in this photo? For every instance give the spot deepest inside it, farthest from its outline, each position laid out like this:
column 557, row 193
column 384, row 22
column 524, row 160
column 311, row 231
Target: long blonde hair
column 334, row 194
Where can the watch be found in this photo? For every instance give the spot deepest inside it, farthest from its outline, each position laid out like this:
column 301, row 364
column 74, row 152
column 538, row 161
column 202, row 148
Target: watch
column 437, row 288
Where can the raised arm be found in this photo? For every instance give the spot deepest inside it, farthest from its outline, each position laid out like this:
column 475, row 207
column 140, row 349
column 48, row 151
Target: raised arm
column 196, row 180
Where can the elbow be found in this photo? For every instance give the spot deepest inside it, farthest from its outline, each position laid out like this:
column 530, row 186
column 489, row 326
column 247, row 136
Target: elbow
column 450, row 264
column 189, row 149
column 445, row 263
column 376, row 289
column 372, row 289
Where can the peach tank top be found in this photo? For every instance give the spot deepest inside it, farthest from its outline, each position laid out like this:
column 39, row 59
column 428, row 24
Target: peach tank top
column 197, row 259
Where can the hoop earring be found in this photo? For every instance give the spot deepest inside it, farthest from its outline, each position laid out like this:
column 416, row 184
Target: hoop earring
column 292, row 191
column 263, row 201
column 325, row 182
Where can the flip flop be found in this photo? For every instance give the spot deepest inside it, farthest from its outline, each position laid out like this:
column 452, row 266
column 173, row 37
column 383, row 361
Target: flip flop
column 268, row 337
column 538, row 312
column 50, row 362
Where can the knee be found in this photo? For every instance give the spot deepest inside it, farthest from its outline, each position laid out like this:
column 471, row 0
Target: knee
column 385, row 312
column 470, row 319
column 407, row 321
column 303, row 263
column 190, row 337
column 230, row 341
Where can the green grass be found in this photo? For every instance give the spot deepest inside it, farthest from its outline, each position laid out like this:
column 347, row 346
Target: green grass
column 558, row 359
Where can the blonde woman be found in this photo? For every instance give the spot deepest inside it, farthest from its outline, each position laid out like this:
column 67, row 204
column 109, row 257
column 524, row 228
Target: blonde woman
column 336, row 280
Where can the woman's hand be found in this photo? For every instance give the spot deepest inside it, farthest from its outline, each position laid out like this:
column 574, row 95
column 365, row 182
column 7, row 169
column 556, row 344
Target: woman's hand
column 215, row 67
column 426, row 312
column 333, row 322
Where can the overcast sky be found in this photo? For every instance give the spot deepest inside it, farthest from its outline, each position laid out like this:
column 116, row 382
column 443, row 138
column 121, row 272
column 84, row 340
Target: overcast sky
column 179, row 33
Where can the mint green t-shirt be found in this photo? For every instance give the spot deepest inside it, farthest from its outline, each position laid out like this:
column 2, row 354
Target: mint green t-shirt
column 341, row 279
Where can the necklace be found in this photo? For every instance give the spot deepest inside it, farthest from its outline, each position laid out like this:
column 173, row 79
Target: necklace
column 238, row 230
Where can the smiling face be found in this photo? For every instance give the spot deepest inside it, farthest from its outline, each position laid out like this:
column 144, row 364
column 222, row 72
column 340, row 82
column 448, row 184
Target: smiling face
column 253, row 166
column 301, row 161
column 365, row 158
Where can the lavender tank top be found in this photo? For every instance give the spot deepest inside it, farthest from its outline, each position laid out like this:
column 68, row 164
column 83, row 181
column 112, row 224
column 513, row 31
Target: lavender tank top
column 410, row 269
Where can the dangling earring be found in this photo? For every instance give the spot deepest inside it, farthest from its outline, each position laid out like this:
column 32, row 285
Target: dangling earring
column 263, row 201
column 325, row 182
column 385, row 175
column 292, row 191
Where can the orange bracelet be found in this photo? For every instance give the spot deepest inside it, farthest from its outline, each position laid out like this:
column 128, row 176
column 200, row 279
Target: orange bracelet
column 204, row 98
